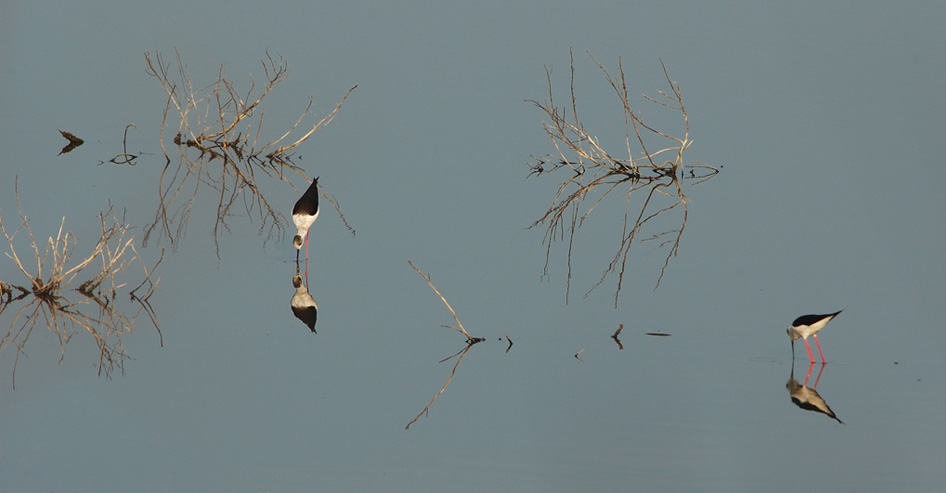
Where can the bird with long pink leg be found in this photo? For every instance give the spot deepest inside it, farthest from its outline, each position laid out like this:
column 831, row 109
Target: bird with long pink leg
column 809, row 325
column 304, row 214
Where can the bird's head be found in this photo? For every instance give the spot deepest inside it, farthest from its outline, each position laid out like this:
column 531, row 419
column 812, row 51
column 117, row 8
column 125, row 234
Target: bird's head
column 297, row 242
column 792, row 333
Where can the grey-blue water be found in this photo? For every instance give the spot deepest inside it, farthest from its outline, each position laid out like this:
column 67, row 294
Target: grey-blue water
column 824, row 120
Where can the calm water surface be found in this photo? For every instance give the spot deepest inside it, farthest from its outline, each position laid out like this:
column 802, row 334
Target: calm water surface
column 812, row 212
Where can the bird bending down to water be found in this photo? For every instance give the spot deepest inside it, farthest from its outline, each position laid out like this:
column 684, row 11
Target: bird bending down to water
column 303, row 305
column 304, row 214
column 807, row 397
column 809, row 325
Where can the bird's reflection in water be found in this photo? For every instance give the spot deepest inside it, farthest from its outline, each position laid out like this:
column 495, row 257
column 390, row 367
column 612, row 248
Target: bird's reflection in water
column 807, row 397
column 303, row 304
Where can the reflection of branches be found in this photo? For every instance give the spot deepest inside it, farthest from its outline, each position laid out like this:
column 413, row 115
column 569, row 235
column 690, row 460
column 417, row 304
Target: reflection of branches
column 462, row 354
column 125, row 157
column 615, row 337
column 577, row 355
column 113, row 253
column 595, row 173
column 210, row 118
column 73, row 142
column 470, row 341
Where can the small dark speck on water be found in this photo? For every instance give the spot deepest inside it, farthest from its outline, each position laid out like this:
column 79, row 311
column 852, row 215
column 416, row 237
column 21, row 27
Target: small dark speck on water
column 658, row 334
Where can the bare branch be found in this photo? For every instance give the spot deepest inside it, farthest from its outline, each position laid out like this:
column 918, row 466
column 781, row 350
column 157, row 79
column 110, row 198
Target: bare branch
column 96, row 311
column 460, row 328
column 228, row 155
column 594, row 173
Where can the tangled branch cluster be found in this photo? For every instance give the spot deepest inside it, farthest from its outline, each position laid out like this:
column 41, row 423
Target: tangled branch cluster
column 594, row 173
column 224, row 126
column 93, row 308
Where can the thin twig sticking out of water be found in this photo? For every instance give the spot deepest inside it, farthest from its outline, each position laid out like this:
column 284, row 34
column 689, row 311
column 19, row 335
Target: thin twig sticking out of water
column 470, row 342
column 459, row 327
column 55, row 272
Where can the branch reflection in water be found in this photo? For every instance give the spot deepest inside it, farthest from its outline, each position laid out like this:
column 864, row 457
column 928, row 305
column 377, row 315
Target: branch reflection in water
column 615, row 337
column 453, row 372
column 125, row 157
column 593, row 173
column 807, row 397
column 73, row 142
column 470, row 342
column 207, row 121
column 104, row 270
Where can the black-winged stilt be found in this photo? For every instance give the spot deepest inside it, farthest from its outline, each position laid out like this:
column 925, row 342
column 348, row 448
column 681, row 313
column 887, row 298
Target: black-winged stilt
column 807, row 397
column 303, row 304
column 809, row 325
column 304, row 214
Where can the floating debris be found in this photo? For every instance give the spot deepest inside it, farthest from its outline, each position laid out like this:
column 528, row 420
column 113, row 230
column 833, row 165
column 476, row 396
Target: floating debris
column 615, row 337
column 73, row 142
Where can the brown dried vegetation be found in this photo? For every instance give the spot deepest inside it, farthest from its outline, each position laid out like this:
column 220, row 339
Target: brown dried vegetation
column 224, row 127
column 648, row 173
column 95, row 309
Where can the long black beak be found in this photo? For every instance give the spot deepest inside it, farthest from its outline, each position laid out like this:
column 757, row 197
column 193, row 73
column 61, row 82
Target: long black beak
column 793, row 342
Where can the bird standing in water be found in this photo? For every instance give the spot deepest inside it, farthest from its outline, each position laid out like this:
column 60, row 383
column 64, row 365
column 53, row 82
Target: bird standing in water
column 304, row 214
column 809, row 325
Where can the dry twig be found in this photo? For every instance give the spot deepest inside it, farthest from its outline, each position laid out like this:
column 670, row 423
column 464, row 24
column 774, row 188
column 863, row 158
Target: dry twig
column 125, row 157
column 56, row 271
column 73, row 142
column 470, row 342
column 593, row 173
column 615, row 337
column 459, row 327
column 224, row 127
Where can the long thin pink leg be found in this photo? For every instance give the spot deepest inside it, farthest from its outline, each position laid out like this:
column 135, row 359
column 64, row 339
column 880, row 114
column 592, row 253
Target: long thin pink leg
column 819, row 349
column 806, row 345
column 818, row 378
column 810, row 367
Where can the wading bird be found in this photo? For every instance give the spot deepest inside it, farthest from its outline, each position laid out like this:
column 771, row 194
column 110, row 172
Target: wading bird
column 809, row 325
column 304, row 214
